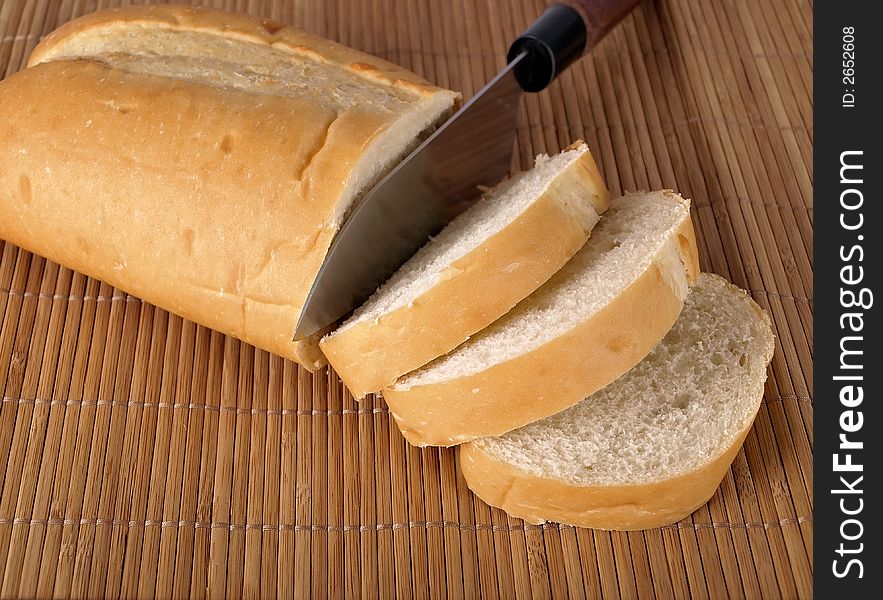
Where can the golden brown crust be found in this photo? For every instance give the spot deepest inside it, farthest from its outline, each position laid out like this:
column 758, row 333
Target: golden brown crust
column 624, row 507
column 173, row 235
column 476, row 289
column 586, row 358
column 240, row 26
column 216, row 204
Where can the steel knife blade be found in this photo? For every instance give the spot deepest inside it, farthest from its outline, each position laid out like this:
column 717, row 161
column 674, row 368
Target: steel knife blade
column 434, row 183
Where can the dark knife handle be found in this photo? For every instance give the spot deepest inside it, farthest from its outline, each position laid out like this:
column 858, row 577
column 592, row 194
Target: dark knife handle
column 567, row 30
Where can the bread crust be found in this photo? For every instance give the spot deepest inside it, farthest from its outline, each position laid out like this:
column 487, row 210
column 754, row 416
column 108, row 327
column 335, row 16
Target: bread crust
column 476, row 289
column 622, row 507
column 231, row 198
column 266, row 32
column 554, row 376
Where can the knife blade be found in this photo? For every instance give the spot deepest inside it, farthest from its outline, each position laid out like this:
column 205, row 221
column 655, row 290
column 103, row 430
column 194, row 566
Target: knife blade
column 437, row 181
column 444, row 174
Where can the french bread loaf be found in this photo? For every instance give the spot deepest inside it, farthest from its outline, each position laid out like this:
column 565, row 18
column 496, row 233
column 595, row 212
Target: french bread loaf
column 651, row 447
column 591, row 322
column 201, row 160
column 474, row 271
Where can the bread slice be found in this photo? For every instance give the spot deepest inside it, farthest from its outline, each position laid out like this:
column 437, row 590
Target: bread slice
column 474, row 271
column 590, row 323
column 201, row 160
column 651, row 447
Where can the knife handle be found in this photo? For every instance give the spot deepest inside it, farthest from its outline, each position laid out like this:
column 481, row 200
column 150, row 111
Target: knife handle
column 566, row 31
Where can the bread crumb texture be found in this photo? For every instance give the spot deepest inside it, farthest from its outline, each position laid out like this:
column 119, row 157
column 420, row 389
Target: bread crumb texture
column 676, row 411
column 498, row 207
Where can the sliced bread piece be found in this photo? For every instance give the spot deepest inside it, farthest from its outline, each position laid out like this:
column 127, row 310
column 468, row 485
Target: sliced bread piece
column 476, row 269
column 651, row 447
column 590, row 323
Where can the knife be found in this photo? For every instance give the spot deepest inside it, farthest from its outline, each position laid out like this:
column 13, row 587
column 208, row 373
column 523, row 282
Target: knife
column 443, row 176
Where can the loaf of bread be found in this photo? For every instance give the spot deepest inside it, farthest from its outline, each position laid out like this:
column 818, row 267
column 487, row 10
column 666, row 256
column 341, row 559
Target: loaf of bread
column 591, row 322
column 201, row 160
column 482, row 264
column 651, row 447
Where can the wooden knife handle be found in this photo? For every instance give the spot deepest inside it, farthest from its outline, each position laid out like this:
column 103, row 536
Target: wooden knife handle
column 599, row 16
column 567, row 30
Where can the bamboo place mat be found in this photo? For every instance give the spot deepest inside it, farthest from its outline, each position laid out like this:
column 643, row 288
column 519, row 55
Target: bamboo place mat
column 146, row 456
